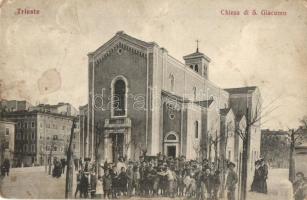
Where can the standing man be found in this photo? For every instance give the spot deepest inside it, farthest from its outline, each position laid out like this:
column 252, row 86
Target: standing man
column 231, row 181
column 299, row 186
column 7, row 166
column 263, row 176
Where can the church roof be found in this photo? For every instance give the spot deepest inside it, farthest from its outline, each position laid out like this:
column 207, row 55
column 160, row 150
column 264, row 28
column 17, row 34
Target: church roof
column 241, row 90
column 239, row 116
column 204, row 103
column 224, row 111
column 175, row 97
column 196, row 55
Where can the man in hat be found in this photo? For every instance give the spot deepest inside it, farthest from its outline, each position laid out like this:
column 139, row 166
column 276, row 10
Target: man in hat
column 231, row 181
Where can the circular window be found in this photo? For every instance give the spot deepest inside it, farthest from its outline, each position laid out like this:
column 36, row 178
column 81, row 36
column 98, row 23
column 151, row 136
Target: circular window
column 172, row 116
column 119, row 51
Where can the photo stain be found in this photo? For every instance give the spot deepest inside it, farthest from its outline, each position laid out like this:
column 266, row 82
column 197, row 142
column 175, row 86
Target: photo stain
column 49, row 82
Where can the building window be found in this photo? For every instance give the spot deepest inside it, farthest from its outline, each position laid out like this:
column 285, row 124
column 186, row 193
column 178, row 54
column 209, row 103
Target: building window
column 33, row 136
column 194, row 93
column 19, row 124
column 172, row 80
column 55, row 137
column 171, row 137
column 119, row 97
column 191, row 66
column 26, row 125
column 32, row 124
column 7, row 131
column 196, row 129
column 196, row 68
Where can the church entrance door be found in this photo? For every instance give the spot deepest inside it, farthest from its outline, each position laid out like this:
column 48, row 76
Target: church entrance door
column 117, row 145
column 171, row 151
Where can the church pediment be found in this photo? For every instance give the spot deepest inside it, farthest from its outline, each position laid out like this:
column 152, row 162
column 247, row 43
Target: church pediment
column 121, row 41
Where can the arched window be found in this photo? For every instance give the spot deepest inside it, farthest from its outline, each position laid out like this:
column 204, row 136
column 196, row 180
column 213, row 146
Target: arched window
column 194, row 93
column 171, row 137
column 196, row 68
column 196, row 129
column 172, row 79
column 119, row 89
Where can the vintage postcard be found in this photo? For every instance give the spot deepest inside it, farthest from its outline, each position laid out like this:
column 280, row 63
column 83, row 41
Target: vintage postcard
column 153, row 99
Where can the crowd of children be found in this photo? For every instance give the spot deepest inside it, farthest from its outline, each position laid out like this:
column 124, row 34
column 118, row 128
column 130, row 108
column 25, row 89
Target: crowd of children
column 159, row 176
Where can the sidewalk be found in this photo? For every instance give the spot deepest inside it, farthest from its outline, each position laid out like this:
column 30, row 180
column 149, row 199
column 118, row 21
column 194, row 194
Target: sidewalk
column 279, row 187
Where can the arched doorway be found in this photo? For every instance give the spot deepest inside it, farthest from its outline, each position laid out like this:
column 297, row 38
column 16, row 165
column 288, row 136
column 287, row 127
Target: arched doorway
column 171, row 144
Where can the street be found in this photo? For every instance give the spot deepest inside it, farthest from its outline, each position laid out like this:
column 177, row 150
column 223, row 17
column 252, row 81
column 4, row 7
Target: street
column 33, row 183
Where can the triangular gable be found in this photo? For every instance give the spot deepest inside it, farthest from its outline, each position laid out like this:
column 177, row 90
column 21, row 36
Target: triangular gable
column 124, row 41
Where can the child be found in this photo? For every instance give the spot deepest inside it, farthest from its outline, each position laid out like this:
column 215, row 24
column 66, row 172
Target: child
column 123, row 180
column 107, row 184
column 78, row 189
column 93, row 181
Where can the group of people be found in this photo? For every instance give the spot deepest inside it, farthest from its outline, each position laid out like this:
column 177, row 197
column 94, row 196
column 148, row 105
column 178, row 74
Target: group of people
column 157, row 177
column 86, row 179
column 259, row 183
column 58, row 167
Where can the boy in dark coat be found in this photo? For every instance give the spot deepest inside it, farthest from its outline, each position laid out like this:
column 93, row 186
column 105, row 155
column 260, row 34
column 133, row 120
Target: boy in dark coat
column 115, row 182
column 216, row 182
column 231, row 182
column 93, row 184
column 107, row 184
column 78, row 188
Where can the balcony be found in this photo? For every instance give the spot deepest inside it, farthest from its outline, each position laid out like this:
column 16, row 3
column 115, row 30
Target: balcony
column 118, row 123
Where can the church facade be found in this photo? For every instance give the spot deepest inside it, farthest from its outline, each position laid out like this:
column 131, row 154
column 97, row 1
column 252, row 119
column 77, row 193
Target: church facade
column 141, row 99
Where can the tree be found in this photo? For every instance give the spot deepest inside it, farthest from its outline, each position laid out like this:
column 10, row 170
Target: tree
column 69, row 170
column 224, row 140
column 256, row 115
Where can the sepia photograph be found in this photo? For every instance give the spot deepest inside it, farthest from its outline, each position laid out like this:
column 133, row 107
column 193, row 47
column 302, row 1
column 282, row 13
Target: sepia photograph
column 153, row 99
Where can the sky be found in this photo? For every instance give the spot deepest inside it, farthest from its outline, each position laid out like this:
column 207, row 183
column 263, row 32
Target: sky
column 43, row 57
